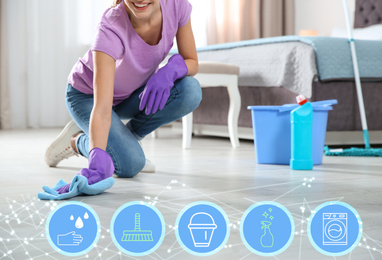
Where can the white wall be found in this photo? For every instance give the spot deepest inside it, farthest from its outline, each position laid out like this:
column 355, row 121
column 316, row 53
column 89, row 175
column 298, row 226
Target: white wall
column 321, row 15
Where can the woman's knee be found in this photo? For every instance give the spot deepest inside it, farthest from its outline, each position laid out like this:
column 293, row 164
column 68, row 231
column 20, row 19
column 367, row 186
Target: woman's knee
column 129, row 164
column 191, row 92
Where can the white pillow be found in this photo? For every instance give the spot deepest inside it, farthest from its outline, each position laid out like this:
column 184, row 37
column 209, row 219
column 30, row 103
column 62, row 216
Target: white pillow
column 373, row 32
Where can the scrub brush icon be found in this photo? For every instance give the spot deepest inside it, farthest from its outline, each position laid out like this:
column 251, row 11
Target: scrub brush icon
column 137, row 234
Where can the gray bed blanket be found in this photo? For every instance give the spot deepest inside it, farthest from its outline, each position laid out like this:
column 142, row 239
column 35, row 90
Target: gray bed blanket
column 290, row 64
column 293, row 62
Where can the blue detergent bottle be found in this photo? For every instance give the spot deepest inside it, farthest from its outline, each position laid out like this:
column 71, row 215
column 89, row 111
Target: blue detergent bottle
column 301, row 135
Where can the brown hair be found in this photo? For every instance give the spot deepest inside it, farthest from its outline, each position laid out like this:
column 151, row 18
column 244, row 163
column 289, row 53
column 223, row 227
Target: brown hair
column 115, row 2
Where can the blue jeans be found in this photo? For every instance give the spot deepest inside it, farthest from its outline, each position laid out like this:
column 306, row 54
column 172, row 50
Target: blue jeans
column 123, row 145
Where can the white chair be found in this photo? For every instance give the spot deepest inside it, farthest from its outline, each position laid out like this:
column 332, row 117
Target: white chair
column 214, row 74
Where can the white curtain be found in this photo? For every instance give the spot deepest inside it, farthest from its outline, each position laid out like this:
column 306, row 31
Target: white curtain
column 199, row 18
column 238, row 20
column 5, row 117
column 45, row 38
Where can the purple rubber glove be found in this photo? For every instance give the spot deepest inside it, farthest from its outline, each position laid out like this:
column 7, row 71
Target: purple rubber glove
column 101, row 167
column 157, row 89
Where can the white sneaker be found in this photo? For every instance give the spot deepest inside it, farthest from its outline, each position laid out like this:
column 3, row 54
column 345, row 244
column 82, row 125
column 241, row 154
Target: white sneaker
column 61, row 147
column 149, row 167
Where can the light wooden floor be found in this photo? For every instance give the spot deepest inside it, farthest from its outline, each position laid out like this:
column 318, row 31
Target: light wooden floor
column 210, row 171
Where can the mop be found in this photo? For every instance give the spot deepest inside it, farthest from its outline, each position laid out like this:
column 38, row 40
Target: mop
column 137, row 234
column 367, row 151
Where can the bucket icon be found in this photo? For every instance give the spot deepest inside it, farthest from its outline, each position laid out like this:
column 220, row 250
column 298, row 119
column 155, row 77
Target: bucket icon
column 202, row 227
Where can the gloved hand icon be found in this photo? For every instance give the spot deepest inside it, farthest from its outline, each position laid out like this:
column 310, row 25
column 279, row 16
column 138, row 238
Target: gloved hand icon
column 69, row 239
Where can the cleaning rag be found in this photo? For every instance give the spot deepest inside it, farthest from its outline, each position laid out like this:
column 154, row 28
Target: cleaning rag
column 90, row 181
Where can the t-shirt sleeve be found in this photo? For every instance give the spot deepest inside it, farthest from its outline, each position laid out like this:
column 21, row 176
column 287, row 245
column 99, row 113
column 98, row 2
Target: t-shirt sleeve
column 185, row 9
column 108, row 41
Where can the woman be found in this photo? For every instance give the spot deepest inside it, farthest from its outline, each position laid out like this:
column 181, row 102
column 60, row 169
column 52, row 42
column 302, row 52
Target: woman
column 118, row 79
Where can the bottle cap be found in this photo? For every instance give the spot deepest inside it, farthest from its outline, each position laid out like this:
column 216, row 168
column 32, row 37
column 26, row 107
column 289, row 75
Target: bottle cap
column 301, row 100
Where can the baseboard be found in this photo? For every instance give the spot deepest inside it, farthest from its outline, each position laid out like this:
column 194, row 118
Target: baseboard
column 352, row 137
column 332, row 137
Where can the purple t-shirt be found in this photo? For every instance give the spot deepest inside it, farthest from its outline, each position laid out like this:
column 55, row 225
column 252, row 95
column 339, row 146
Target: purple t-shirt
column 135, row 60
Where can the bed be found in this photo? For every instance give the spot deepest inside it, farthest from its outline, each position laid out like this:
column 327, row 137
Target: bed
column 274, row 70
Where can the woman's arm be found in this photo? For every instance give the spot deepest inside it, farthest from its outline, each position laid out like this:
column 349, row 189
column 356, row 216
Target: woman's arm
column 186, row 47
column 100, row 118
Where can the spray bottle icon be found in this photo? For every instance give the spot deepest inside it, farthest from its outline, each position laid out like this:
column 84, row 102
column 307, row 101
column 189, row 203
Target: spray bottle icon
column 266, row 239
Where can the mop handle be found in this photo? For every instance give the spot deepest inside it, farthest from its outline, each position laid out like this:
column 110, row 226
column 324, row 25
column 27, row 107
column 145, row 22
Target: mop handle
column 137, row 222
column 347, row 17
column 357, row 76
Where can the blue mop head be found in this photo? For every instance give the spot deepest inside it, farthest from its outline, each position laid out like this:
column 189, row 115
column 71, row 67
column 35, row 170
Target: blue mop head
column 371, row 152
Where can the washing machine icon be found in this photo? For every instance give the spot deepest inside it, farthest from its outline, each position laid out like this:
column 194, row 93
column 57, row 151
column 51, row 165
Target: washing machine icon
column 335, row 229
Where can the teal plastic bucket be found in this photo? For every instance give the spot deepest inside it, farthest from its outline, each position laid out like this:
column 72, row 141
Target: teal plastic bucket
column 272, row 135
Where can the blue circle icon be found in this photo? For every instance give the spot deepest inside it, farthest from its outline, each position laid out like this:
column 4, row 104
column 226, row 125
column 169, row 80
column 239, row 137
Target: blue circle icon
column 267, row 228
column 137, row 228
column 202, row 228
column 73, row 228
column 334, row 228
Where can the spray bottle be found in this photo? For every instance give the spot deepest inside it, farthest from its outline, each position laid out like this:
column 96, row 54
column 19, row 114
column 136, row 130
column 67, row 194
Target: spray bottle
column 266, row 239
column 301, row 135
